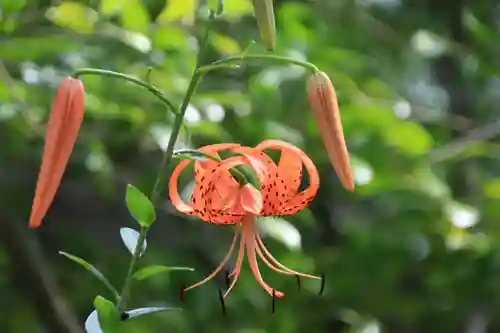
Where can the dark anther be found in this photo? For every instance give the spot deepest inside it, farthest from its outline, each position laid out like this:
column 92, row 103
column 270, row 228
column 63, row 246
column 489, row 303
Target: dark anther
column 298, row 281
column 222, row 304
column 124, row 316
column 323, row 281
column 227, row 279
column 183, row 293
column 273, row 304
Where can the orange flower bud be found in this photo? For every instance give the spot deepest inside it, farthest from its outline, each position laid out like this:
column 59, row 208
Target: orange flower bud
column 64, row 123
column 323, row 101
column 264, row 13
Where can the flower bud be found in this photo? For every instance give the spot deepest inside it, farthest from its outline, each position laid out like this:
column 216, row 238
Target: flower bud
column 264, row 13
column 62, row 130
column 323, row 101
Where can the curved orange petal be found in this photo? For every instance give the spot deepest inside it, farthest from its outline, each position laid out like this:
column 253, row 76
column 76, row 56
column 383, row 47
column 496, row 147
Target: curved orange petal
column 201, row 166
column 302, row 199
column 202, row 170
column 251, row 199
column 173, row 191
column 289, row 167
column 235, row 210
column 209, row 206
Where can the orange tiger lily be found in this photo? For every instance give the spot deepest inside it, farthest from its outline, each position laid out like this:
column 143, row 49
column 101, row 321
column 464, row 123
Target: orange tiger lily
column 62, row 130
column 218, row 198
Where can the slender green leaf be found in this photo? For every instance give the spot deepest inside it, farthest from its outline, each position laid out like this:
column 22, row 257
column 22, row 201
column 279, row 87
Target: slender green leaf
column 92, row 270
column 109, row 319
column 149, row 271
column 135, row 17
column 108, row 7
column 139, row 206
column 192, row 154
column 176, row 10
column 74, row 15
column 149, row 310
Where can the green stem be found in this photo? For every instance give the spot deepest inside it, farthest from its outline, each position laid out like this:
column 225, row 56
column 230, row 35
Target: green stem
column 131, row 267
column 209, row 68
column 167, row 158
column 266, row 57
column 146, row 85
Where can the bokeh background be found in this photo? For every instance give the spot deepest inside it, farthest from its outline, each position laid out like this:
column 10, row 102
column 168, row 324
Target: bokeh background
column 416, row 249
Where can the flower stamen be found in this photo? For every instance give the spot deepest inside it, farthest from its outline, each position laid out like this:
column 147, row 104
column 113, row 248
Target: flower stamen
column 222, row 304
column 248, row 232
column 237, row 267
column 222, row 264
column 277, row 263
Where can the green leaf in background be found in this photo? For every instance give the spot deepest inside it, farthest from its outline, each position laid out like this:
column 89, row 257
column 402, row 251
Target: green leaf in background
column 210, row 130
column 108, row 7
column 426, row 181
column 224, row 44
column 264, row 14
column 92, row 270
column 177, row 10
column 170, row 37
column 410, row 138
column 375, row 87
column 73, row 15
column 14, row 49
column 4, row 92
column 281, row 230
column 139, row 206
column 216, row 6
column 12, row 6
column 492, row 188
column 107, row 314
column 235, row 9
column 147, row 272
column 135, row 17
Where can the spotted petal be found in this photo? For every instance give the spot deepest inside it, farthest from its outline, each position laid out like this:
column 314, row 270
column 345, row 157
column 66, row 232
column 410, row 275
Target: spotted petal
column 302, row 199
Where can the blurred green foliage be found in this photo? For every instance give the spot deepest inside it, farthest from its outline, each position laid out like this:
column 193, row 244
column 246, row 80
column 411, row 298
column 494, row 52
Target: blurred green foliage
column 415, row 249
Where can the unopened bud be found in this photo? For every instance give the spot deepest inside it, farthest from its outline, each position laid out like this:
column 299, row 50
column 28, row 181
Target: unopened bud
column 62, row 130
column 323, row 101
column 264, row 13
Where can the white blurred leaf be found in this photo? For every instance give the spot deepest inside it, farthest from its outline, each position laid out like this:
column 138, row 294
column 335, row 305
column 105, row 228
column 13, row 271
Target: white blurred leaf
column 130, row 237
column 462, row 216
column 281, row 230
column 144, row 311
column 92, row 323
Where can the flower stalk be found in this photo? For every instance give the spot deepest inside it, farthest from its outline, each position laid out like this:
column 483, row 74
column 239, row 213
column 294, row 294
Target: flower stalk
column 166, row 160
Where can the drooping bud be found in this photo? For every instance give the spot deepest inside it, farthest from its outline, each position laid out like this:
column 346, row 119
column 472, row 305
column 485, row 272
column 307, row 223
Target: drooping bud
column 62, row 130
column 323, row 101
column 264, row 13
